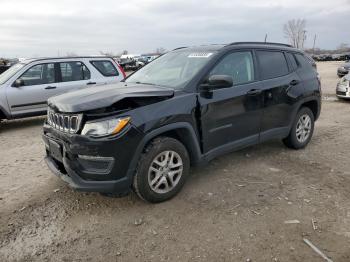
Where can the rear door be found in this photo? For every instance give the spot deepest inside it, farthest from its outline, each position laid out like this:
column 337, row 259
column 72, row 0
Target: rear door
column 72, row 75
column 40, row 83
column 279, row 82
column 230, row 118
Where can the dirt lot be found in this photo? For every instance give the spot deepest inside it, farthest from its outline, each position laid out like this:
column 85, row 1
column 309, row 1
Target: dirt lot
column 234, row 209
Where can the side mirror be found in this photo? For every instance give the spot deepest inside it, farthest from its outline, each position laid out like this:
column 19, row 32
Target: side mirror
column 18, row 83
column 218, row 81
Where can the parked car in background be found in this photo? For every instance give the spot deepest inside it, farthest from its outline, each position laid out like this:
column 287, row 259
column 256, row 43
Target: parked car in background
column 4, row 65
column 26, row 86
column 131, row 63
column 144, row 59
column 343, row 69
column 343, row 87
column 185, row 108
column 331, row 57
column 127, row 64
column 3, row 68
column 139, row 63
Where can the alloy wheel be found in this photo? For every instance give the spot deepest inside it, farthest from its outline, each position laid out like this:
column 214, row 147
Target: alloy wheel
column 303, row 128
column 165, row 172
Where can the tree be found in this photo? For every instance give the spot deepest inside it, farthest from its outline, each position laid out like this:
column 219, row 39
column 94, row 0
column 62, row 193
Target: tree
column 71, row 54
column 110, row 53
column 160, row 50
column 294, row 31
column 125, row 52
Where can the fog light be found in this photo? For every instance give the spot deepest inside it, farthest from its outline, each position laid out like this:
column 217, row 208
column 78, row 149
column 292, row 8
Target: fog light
column 96, row 164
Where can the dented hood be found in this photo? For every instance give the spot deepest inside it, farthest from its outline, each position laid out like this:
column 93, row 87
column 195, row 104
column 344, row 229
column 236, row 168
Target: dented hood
column 104, row 96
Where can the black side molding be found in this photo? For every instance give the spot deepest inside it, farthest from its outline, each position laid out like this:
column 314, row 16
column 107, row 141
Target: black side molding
column 30, row 104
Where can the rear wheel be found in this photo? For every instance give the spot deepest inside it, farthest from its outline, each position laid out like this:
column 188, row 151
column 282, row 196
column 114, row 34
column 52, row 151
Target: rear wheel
column 302, row 129
column 162, row 170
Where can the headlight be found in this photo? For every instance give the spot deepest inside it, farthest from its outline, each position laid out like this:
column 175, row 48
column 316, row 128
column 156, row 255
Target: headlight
column 105, row 127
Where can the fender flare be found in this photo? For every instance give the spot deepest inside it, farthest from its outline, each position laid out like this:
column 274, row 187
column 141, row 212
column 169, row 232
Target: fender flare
column 193, row 146
column 300, row 103
column 309, row 99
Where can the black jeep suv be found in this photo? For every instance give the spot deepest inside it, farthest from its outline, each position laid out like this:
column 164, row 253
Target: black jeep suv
column 184, row 108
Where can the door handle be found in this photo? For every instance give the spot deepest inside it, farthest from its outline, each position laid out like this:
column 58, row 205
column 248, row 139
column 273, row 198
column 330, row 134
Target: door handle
column 91, row 83
column 294, row 82
column 254, row 92
column 50, row 87
column 291, row 84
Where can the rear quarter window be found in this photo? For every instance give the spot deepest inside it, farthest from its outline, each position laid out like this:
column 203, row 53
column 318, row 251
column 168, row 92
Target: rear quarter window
column 272, row 64
column 303, row 61
column 105, row 67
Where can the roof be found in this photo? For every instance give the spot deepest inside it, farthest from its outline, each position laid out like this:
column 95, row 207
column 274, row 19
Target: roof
column 217, row 47
column 29, row 60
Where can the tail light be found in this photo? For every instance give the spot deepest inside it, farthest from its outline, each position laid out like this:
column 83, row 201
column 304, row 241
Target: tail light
column 121, row 70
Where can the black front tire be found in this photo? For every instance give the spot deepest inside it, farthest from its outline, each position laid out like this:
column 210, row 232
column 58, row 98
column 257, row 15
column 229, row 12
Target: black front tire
column 141, row 184
column 291, row 140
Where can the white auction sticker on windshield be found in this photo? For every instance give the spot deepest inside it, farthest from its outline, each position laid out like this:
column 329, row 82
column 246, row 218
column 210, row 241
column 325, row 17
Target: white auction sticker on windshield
column 200, row 55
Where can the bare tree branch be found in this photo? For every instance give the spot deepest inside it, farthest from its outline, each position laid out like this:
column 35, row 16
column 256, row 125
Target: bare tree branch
column 294, row 31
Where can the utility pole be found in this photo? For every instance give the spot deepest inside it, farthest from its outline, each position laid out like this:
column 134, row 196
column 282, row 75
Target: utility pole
column 313, row 46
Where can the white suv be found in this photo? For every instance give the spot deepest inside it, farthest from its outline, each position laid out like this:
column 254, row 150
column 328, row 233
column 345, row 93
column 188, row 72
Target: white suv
column 26, row 86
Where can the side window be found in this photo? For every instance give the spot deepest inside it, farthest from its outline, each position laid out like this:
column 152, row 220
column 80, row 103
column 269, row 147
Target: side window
column 292, row 62
column 105, row 67
column 303, row 61
column 272, row 64
column 39, row 75
column 239, row 65
column 74, row 71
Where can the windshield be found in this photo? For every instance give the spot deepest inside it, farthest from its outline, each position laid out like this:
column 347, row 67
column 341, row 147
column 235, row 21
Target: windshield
column 10, row 72
column 174, row 69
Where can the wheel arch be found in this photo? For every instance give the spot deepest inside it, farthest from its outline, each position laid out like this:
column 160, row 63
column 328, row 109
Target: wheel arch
column 313, row 105
column 3, row 115
column 182, row 131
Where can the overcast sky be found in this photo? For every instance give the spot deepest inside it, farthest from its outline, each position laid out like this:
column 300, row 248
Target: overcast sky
column 56, row 27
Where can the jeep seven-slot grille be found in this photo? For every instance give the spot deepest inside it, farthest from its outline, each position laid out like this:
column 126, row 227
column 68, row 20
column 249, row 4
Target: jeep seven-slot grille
column 63, row 122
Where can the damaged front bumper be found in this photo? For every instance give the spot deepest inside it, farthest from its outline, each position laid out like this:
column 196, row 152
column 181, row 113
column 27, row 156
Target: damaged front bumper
column 92, row 164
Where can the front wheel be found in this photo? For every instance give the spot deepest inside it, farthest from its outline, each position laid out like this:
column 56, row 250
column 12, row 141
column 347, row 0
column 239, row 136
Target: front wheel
column 162, row 170
column 302, row 129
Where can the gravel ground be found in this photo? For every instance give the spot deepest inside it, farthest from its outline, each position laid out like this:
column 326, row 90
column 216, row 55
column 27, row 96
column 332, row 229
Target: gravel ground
column 234, row 209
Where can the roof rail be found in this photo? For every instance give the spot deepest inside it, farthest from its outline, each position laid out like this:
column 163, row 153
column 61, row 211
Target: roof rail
column 259, row 43
column 179, row 48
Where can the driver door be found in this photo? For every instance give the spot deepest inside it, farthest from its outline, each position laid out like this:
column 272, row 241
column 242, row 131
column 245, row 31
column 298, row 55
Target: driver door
column 231, row 117
column 39, row 83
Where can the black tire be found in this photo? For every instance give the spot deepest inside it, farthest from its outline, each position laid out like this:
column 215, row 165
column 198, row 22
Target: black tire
column 292, row 140
column 157, row 147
